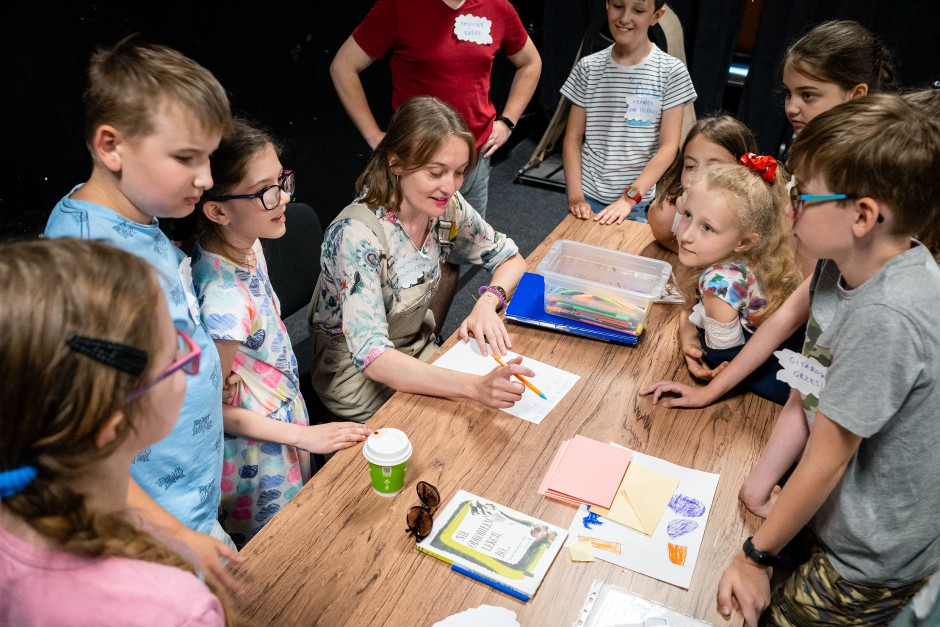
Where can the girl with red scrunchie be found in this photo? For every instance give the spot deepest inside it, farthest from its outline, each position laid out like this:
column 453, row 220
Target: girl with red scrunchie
column 736, row 248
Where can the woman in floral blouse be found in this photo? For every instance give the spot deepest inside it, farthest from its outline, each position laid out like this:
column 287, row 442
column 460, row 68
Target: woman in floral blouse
column 381, row 262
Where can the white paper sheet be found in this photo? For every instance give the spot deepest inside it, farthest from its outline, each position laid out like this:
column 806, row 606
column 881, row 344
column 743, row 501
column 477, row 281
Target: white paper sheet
column 490, row 615
column 683, row 526
column 553, row 382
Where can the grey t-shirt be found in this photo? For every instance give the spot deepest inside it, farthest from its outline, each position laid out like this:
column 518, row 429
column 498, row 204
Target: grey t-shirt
column 881, row 342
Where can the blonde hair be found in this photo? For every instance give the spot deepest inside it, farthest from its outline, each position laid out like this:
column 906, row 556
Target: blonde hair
column 759, row 208
column 131, row 82
column 56, row 400
column 415, row 134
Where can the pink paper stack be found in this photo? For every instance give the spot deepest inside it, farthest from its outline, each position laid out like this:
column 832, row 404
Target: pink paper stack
column 585, row 471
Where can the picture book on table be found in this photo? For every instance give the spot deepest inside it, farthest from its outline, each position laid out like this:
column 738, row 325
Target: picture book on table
column 494, row 541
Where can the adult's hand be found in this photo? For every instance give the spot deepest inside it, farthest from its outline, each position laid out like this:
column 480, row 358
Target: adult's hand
column 688, row 395
column 749, row 584
column 486, row 326
column 497, row 389
column 498, row 136
column 211, row 553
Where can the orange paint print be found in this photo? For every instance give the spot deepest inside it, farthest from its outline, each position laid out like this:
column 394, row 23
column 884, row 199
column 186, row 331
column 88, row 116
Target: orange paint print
column 677, row 554
column 613, row 547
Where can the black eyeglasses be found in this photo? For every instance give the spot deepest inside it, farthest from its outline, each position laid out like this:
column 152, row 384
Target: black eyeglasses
column 420, row 518
column 270, row 195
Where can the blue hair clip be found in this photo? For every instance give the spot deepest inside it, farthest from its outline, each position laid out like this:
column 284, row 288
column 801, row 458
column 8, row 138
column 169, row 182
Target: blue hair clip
column 12, row 482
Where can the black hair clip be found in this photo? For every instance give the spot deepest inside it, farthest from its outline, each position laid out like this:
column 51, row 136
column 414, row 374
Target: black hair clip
column 125, row 358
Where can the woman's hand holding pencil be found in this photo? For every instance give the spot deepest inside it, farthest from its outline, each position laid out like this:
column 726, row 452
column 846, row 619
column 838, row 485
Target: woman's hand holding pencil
column 524, row 381
column 497, row 389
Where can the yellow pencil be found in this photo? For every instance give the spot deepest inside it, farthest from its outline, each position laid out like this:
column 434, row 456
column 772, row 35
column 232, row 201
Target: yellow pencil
column 521, row 378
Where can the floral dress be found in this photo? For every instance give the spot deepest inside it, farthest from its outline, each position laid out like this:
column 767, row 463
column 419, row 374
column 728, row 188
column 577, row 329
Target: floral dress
column 358, row 290
column 735, row 284
column 237, row 303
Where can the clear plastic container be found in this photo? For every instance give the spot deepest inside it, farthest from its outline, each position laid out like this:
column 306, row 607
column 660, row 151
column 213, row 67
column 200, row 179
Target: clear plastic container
column 602, row 287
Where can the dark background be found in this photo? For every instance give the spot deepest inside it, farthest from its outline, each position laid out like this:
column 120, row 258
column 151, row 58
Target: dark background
column 274, row 58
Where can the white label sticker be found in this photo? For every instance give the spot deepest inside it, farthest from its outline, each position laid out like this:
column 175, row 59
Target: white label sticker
column 186, row 278
column 643, row 110
column 472, row 28
column 410, row 268
column 805, row 374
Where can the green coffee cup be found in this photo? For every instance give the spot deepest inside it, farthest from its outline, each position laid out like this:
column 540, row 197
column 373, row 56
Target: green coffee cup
column 387, row 451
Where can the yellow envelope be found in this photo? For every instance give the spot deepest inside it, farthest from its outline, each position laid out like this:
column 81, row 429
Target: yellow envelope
column 641, row 500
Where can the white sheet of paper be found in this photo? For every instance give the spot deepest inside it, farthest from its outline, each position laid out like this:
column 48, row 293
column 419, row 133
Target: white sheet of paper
column 649, row 555
column 553, row 382
column 490, row 615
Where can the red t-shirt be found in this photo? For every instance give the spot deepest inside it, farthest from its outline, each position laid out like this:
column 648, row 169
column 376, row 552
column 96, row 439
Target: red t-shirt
column 428, row 58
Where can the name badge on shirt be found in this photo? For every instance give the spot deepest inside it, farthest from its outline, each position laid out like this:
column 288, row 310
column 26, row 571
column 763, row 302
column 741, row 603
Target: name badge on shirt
column 186, row 278
column 475, row 29
column 805, row 374
column 411, row 268
column 643, row 109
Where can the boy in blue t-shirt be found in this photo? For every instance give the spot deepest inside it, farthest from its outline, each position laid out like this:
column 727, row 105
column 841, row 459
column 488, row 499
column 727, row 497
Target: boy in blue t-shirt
column 625, row 122
column 153, row 117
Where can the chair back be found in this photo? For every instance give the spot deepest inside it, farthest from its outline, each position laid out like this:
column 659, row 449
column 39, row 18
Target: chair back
column 294, row 259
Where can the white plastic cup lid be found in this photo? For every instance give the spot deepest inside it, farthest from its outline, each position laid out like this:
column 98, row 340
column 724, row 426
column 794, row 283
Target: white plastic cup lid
column 387, row 447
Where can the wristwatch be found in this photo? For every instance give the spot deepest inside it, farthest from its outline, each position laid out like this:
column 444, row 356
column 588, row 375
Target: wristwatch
column 761, row 557
column 634, row 194
column 509, row 123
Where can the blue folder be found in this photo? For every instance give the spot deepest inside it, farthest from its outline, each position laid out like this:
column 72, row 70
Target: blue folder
column 528, row 306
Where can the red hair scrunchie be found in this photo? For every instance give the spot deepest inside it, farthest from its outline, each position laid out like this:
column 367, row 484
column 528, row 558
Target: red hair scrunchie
column 764, row 165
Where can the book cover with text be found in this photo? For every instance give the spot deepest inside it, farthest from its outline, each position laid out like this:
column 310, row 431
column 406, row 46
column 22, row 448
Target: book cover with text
column 494, row 541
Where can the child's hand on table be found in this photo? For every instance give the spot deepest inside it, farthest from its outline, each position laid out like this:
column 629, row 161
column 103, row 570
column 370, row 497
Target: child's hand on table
column 616, row 212
column 331, row 436
column 580, row 208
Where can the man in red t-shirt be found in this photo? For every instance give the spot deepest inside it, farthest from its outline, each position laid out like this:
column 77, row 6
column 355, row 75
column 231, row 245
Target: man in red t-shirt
column 445, row 49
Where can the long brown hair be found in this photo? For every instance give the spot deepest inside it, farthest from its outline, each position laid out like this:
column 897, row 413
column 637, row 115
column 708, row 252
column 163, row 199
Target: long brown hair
column 723, row 130
column 759, row 208
column 56, row 400
column 415, row 134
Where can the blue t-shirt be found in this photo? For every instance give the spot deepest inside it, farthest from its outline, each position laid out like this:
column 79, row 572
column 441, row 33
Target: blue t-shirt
column 182, row 472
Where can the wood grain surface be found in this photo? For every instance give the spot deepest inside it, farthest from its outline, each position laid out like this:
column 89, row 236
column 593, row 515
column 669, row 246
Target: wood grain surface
column 338, row 554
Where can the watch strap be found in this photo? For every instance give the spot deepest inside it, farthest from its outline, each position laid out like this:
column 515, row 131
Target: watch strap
column 509, row 123
column 633, row 193
column 761, row 557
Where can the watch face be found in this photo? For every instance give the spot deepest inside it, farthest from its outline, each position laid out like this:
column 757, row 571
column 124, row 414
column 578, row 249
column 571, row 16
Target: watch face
column 632, row 192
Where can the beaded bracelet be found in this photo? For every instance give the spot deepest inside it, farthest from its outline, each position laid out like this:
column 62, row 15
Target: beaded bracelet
column 495, row 291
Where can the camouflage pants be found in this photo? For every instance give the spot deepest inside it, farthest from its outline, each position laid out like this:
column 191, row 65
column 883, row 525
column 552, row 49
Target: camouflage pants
column 815, row 594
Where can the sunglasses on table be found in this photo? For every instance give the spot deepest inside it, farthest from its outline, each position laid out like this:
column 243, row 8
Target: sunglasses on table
column 420, row 518
column 188, row 363
column 799, row 201
column 270, row 195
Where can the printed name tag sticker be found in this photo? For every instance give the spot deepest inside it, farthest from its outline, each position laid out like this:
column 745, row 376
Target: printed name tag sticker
column 805, row 374
column 475, row 29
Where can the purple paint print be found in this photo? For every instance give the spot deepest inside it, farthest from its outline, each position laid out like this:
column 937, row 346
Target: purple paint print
column 592, row 520
column 680, row 527
column 686, row 506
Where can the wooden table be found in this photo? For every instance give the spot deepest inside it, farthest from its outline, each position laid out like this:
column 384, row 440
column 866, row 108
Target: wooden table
column 337, row 554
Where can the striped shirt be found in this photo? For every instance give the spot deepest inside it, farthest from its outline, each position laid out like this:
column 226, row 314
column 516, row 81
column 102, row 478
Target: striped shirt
column 624, row 106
